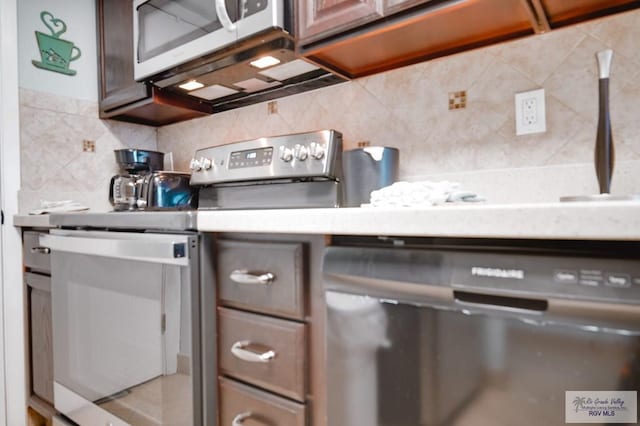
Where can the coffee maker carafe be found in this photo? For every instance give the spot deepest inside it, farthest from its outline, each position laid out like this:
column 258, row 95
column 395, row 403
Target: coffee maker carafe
column 135, row 164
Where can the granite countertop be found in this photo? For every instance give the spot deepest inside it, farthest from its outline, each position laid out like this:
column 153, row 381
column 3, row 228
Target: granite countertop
column 615, row 220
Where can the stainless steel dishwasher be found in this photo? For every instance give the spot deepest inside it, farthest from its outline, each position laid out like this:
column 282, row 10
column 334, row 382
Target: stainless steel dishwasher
column 464, row 332
column 133, row 322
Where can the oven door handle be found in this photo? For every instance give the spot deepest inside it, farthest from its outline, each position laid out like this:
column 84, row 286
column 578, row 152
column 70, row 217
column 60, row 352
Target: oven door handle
column 163, row 249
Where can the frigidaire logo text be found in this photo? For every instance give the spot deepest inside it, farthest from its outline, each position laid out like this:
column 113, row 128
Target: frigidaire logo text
column 480, row 271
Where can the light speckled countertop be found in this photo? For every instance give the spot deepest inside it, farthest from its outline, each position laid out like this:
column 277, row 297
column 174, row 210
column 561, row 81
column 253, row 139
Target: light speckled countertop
column 615, row 220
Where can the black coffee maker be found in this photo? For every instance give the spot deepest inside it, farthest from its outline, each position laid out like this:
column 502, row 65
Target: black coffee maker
column 143, row 185
column 124, row 189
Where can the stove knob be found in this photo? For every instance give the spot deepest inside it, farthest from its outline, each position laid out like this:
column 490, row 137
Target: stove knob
column 301, row 152
column 195, row 165
column 316, row 150
column 286, row 154
column 206, row 163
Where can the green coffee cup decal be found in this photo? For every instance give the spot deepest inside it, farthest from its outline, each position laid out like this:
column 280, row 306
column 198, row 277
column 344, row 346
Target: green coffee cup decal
column 56, row 54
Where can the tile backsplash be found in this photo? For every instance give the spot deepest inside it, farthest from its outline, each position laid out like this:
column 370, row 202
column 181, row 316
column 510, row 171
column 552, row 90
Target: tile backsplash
column 476, row 145
column 54, row 167
column 408, row 108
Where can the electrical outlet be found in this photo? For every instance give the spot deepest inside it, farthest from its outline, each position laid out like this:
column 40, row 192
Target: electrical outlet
column 530, row 112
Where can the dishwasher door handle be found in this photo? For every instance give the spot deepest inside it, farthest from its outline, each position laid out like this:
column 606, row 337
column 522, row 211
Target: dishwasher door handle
column 611, row 315
column 501, row 302
column 388, row 289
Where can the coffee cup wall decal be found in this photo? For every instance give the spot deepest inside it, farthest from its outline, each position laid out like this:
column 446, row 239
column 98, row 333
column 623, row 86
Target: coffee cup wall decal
column 56, row 54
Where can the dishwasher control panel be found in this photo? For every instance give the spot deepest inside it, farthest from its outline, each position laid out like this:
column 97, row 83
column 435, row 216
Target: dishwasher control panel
column 593, row 278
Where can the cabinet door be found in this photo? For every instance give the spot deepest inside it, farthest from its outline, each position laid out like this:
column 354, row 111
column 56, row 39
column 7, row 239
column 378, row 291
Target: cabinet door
column 321, row 18
column 241, row 267
column 121, row 97
column 563, row 12
column 242, row 404
column 41, row 335
column 423, row 33
column 246, row 339
column 115, row 66
column 393, row 6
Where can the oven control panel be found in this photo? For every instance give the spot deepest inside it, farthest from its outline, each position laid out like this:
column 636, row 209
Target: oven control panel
column 297, row 156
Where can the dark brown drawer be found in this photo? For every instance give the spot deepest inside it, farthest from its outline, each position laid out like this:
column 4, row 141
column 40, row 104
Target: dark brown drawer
column 240, row 403
column 262, row 276
column 35, row 256
column 244, row 336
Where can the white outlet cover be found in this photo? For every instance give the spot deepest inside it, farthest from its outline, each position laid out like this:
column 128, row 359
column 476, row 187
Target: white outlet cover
column 530, row 112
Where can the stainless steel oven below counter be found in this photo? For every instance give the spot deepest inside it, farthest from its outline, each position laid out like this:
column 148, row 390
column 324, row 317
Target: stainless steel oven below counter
column 133, row 327
column 440, row 332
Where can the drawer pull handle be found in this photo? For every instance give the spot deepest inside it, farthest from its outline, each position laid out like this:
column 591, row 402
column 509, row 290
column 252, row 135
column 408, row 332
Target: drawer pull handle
column 242, row 276
column 240, row 418
column 247, row 351
column 40, row 250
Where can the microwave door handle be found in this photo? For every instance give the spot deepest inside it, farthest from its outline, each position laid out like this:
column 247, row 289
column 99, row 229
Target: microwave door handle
column 223, row 15
column 146, row 250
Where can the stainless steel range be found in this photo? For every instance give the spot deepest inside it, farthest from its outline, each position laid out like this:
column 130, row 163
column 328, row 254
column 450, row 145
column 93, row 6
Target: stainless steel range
column 290, row 171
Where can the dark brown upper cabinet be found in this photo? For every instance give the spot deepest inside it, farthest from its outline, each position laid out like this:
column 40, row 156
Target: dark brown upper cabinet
column 120, row 97
column 370, row 36
column 564, row 12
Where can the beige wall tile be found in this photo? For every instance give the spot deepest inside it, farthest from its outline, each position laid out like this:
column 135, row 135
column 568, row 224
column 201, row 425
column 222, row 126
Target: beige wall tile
column 53, row 166
column 406, row 108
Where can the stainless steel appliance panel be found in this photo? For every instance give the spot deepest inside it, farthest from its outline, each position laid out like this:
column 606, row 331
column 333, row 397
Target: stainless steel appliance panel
column 460, row 337
column 168, row 34
column 126, row 327
column 302, row 155
column 272, row 195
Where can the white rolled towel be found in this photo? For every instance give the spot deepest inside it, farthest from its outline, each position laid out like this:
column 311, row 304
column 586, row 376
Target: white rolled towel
column 421, row 194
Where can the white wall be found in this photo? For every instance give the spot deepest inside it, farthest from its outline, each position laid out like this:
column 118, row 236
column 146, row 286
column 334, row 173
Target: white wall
column 79, row 17
column 12, row 345
column 58, row 112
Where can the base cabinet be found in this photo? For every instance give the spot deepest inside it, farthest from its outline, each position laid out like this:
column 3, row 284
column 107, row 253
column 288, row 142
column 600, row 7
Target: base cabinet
column 271, row 363
column 37, row 280
column 239, row 403
column 41, row 336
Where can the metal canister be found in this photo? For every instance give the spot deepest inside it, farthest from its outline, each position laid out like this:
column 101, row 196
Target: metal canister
column 367, row 169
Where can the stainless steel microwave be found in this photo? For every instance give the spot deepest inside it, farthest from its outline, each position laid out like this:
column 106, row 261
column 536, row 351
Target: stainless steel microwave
column 170, row 33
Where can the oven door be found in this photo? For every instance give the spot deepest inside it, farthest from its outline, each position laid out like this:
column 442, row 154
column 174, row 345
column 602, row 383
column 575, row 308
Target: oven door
column 170, row 33
column 407, row 353
column 125, row 327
